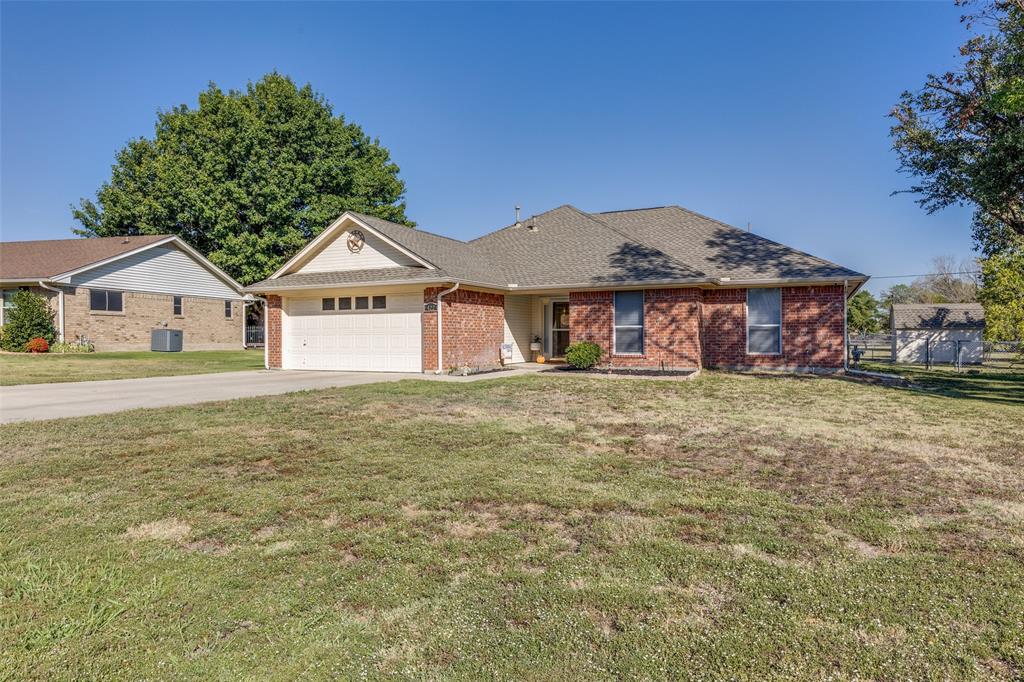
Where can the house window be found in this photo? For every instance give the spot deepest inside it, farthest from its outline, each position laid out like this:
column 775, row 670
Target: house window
column 177, row 306
column 629, row 322
column 362, row 303
column 380, row 302
column 106, row 301
column 227, row 309
column 764, row 321
column 326, row 304
column 345, row 303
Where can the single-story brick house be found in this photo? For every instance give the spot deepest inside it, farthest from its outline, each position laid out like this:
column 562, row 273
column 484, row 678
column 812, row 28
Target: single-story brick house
column 659, row 287
column 937, row 332
column 113, row 291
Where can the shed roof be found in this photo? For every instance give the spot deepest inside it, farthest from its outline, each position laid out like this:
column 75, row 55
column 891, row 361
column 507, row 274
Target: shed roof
column 937, row 316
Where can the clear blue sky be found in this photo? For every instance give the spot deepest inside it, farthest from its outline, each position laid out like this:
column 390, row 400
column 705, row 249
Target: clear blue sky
column 769, row 113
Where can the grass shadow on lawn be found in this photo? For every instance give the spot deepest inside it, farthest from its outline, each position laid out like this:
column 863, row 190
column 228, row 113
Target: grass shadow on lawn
column 995, row 386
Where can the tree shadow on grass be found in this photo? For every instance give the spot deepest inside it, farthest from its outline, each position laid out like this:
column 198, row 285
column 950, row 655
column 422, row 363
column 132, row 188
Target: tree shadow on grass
column 1006, row 387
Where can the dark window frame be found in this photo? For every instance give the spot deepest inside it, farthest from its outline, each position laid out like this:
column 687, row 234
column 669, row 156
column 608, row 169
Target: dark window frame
column 382, row 299
column 178, row 306
column 107, row 295
column 327, row 304
column 228, row 312
column 364, row 300
column 347, row 305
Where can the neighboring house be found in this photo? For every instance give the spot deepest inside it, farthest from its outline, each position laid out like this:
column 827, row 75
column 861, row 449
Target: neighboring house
column 659, row 287
column 923, row 333
column 113, row 291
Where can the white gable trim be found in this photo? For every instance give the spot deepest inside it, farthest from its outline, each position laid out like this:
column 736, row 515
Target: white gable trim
column 329, row 232
column 65, row 277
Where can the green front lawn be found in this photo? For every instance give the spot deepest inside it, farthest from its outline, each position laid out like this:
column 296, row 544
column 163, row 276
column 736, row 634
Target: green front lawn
column 542, row 527
column 24, row 368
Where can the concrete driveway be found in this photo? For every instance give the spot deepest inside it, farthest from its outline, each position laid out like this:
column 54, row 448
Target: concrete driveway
column 79, row 399
column 51, row 401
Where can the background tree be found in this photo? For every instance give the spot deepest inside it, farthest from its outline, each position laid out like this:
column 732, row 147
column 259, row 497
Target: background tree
column 863, row 314
column 962, row 137
column 1003, row 296
column 28, row 319
column 247, row 178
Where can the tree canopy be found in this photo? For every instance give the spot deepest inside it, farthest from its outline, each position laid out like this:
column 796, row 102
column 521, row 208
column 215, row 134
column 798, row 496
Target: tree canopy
column 962, row 135
column 962, row 138
column 863, row 314
column 247, row 178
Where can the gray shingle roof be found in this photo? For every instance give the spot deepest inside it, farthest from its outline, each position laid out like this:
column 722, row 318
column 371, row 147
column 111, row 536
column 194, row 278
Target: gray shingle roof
column 566, row 247
column 309, row 280
column 47, row 258
column 937, row 316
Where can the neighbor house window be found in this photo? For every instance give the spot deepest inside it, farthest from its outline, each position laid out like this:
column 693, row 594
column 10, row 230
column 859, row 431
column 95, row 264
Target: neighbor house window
column 629, row 322
column 326, row 304
column 362, row 303
column 764, row 321
column 380, row 302
column 108, row 301
column 345, row 303
column 177, row 306
column 227, row 309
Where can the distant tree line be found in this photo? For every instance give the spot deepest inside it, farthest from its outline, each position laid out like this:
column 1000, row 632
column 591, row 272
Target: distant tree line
column 949, row 281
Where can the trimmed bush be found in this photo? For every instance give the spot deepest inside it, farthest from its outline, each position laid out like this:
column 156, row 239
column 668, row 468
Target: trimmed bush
column 583, row 354
column 61, row 347
column 37, row 345
column 30, row 318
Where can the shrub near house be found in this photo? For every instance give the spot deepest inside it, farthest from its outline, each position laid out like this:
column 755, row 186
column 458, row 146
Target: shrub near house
column 29, row 319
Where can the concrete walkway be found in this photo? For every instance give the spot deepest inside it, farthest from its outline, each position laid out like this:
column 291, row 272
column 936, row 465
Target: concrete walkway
column 78, row 399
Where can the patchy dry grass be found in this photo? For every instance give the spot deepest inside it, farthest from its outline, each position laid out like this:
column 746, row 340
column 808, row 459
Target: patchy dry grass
column 541, row 527
column 24, row 368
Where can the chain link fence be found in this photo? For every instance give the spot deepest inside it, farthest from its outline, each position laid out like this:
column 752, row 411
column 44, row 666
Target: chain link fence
column 934, row 350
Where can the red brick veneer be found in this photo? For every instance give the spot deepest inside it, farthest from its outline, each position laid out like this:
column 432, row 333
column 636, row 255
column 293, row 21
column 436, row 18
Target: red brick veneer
column 273, row 340
column 474, row 329
column 671, row 327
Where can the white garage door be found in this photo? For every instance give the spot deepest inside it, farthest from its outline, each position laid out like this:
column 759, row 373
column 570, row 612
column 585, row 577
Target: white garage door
column 387, row 340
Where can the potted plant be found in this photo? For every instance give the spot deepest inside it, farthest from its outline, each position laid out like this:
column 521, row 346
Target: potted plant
column 535, row 344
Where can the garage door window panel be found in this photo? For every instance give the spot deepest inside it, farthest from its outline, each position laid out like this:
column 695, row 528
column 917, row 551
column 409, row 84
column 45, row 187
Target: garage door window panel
column 362, row 303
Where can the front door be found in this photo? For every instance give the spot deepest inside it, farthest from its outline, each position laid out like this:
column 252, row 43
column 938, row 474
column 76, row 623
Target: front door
column 559, row 328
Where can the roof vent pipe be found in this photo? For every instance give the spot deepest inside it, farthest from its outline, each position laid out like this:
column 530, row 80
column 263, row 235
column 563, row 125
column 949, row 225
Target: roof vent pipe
column 531, row 224
column 517, row 217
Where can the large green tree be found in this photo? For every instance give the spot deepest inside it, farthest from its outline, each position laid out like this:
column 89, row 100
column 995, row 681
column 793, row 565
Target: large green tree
column 961, row 137
column 863, row 314
column 248, row 178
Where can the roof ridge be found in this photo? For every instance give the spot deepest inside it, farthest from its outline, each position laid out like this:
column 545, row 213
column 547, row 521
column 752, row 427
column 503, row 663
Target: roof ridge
column 87, row 239
column 513, row 225
column 408, row 227
column 631, row 210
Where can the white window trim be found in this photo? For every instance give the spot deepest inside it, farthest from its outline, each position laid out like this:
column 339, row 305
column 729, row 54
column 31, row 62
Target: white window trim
column 616, row 327
column 746, row 310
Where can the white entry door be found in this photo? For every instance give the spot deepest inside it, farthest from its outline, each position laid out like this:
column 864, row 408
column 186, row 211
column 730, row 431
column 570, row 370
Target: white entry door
column 387, row 339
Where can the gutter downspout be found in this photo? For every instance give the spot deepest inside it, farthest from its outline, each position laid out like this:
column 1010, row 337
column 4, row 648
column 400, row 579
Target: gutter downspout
column 441, row 295
column 60, row 308
column 266, row 338
column 846, row 337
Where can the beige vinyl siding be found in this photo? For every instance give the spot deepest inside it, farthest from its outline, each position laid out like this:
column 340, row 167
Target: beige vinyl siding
column 376, row 253
column 518, row 326
column 916, row 345
column 159, row 270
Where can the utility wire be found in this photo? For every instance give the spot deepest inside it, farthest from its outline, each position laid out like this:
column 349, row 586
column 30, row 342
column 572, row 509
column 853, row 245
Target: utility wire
column 927, row 274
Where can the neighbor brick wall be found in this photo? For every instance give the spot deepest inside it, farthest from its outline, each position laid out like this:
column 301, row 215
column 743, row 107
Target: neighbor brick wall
column 474, row 329
column 203, row 321
column 273, row 339
column 671, row 327
column 812, row 329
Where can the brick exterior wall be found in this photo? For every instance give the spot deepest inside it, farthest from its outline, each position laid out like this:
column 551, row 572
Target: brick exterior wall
column 273, row 339
column 474, row 329
column 203, row 321
column 683, row 328
column 812, row 329
column 671, row 327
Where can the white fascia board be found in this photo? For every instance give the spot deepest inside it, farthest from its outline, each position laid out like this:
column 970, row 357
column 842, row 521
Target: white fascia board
column 310, row 248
